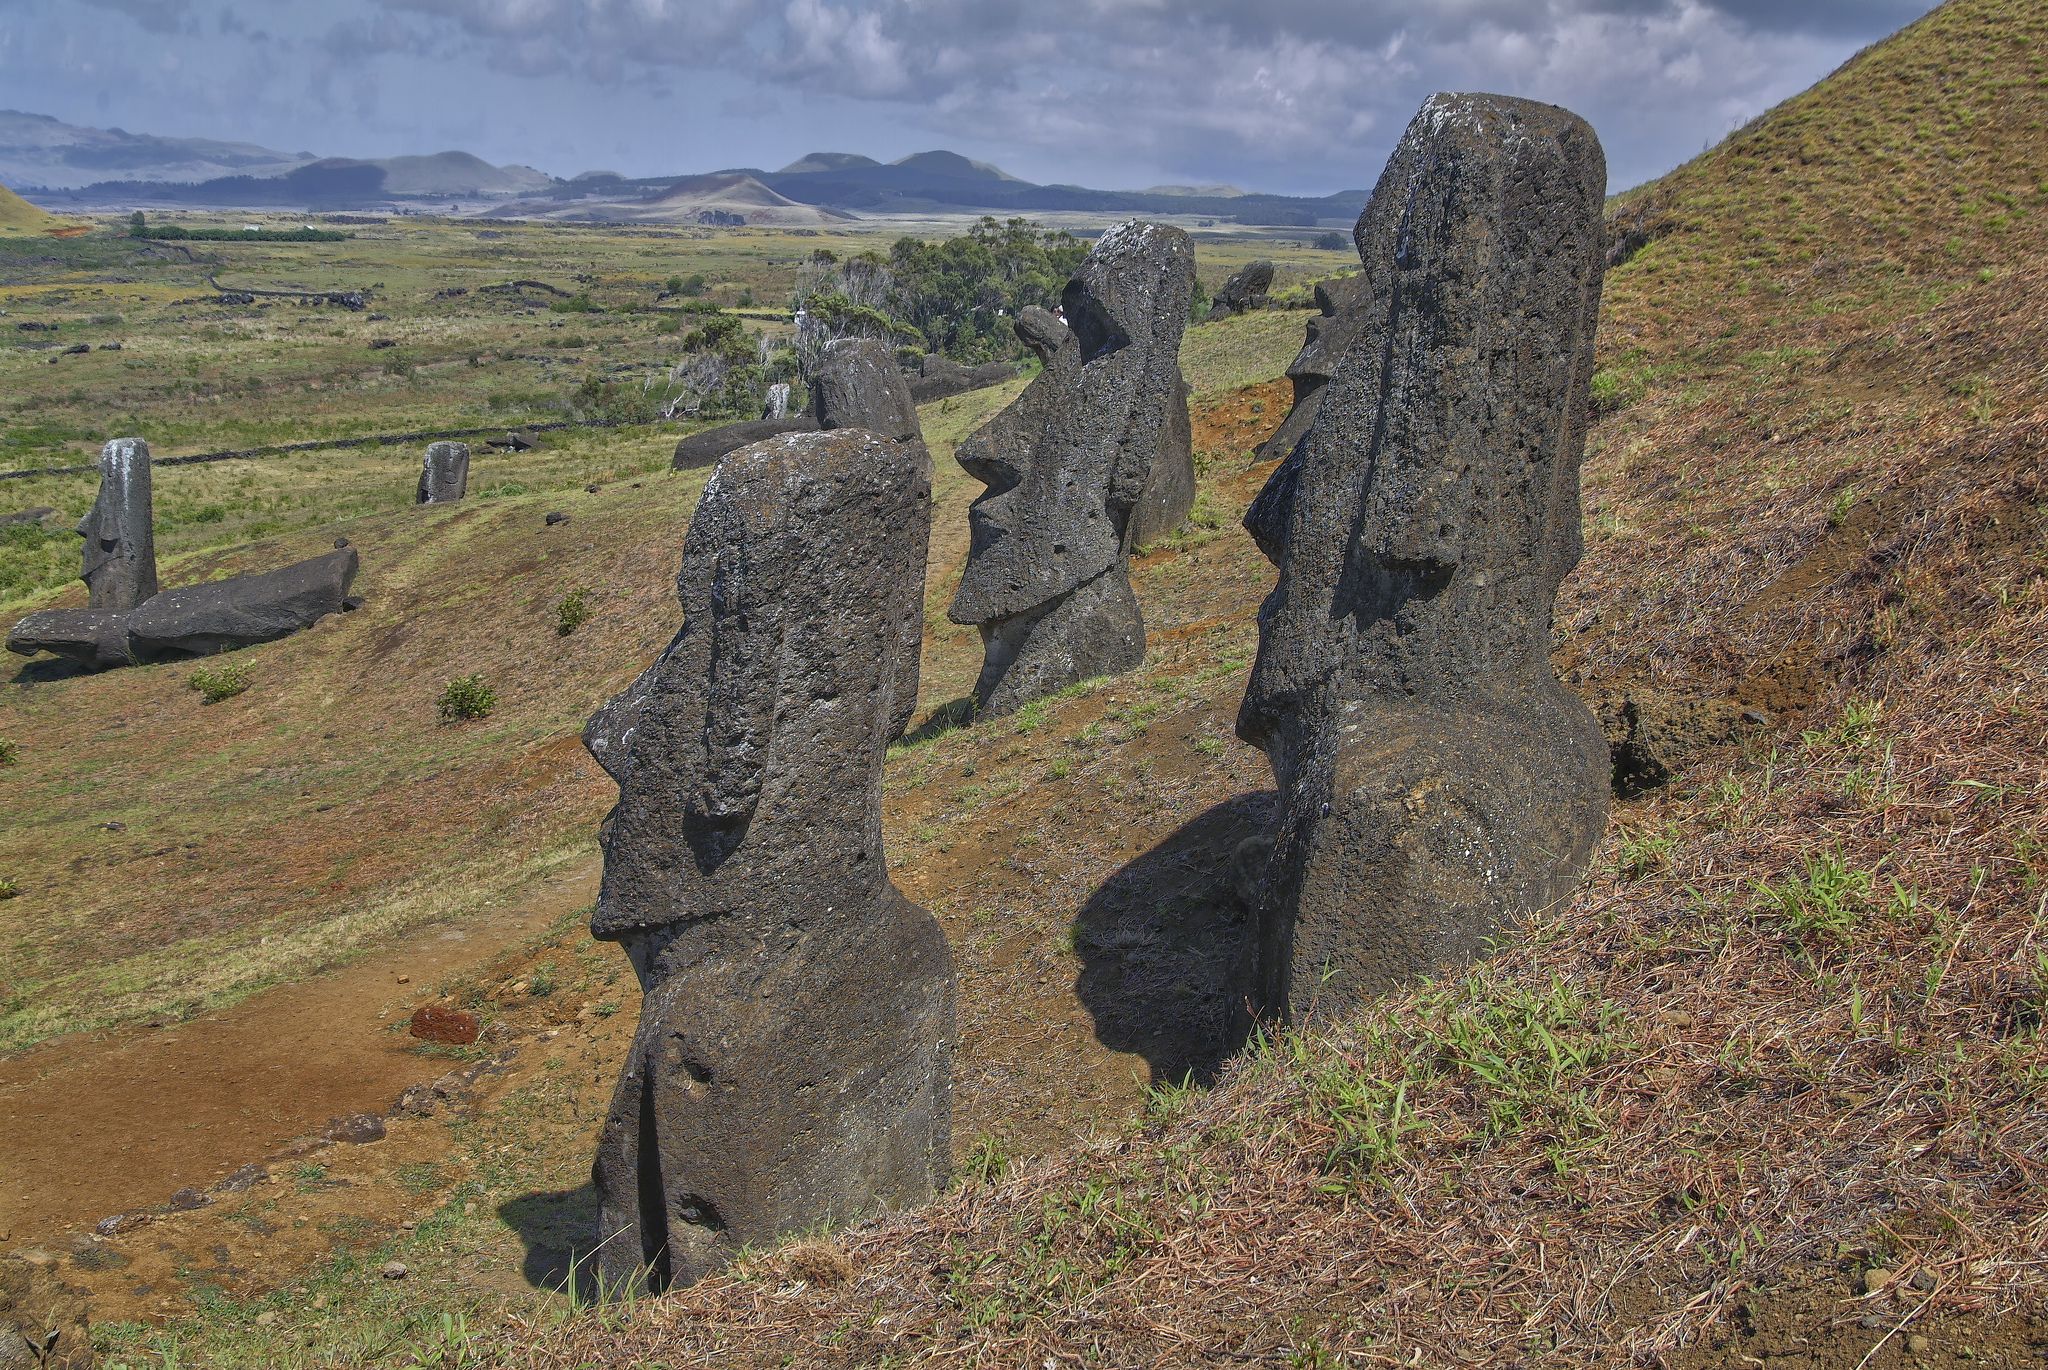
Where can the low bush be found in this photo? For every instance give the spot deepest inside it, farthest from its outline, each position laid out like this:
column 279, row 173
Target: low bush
column 571, row 613
column 216, row 683
column 10, row 754
column 468, row 697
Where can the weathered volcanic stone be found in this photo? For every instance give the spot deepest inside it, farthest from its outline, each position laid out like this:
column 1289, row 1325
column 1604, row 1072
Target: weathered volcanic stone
column 1041, row 330
column 216, row 615
column 858, row 385
column 939, row 377
column 1169, row 493
column 791, row 1065
column 1065, row 467
column 1436, row 781
column 1244, row 288
column 1343, row 303
column 96, row 639
column 705, row 448
column 776, row 404
column 444, row 473
column 119, row 562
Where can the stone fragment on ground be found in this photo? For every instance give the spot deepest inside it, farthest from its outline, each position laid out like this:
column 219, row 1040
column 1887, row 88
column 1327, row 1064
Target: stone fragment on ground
column 748, row 759
column 435, row 1023
column 1436, row 779
column 1067, row 465
column 355, row 1129
column 1245, row 288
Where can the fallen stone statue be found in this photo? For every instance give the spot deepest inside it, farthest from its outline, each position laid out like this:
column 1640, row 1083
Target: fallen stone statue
column 195, row 620
column 791, row 1065
column 1436, row 781
column 1067, row 465
column 707, row 447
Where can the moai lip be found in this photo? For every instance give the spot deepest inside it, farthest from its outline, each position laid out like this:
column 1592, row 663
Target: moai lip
column 1436, row 781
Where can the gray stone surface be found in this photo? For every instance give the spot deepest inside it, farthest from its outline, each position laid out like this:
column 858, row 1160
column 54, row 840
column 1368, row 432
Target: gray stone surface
column 119, row 561
column 705, row 448
column 96, row 639
column 858, row 385
column 33, row 515
column 444, row 473
column 776, row 404
column 939, row 377
column 1436, row 781
column 1169, row 492
column 1342, row 306
column 791, row 1065
column 1041, row 330
column 1065, row 467
column 1245, row 288
column 241, row 611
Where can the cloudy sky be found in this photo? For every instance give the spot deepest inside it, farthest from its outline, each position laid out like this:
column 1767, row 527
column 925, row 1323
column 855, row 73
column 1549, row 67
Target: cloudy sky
column 1295, row 96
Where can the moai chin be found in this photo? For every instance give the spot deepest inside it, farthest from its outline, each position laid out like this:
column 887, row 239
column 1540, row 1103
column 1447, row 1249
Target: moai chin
column 118, row 564
column 1066, row 465
column 1435, row 779
column 791, row 1065
column 444, row 473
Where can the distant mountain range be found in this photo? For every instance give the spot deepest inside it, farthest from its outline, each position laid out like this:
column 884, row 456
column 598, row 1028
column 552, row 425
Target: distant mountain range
column 61, row 163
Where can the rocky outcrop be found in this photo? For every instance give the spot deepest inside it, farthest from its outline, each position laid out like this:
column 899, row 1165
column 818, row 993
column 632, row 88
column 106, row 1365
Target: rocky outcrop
column 241, row 611
column 708, row 447
column 1342, row 306
column 858, row 385
column 1436, row 780
column 444, row 473
column 791, row 1065
column 1065, row 467
column 119, row 562
column 1245, row 288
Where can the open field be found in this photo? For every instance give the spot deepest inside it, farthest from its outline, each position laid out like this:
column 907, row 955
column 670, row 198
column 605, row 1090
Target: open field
column 1771, row 1088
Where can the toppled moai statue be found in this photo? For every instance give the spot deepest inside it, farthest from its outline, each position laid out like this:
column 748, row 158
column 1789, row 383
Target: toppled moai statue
column 119, row 561
column 858, row 385
column 1065, row 467
column 708, row 447
column 791, row 1066
column 241, row 611
column 940, row 377
column 95, row 639
column 1342, row 304
column 444, row 473
column 1245, row 288
column 1436, row 781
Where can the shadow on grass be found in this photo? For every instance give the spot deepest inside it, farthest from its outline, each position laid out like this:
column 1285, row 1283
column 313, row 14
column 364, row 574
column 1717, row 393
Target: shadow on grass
column 1162, row 945
column 558, row 1228
column 45, row 670
column 944, row 719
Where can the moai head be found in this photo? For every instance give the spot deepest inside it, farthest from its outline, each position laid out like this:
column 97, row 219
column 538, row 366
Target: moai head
column 748, row 756
column 444, row 473
column 118, row 564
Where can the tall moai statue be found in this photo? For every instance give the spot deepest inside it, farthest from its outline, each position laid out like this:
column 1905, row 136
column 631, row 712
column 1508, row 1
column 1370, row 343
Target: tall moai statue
column 859, row 385
column 792, row 1063
column 444, row 473
column 1066, row 465
column 118, row 561
column 1435, row 779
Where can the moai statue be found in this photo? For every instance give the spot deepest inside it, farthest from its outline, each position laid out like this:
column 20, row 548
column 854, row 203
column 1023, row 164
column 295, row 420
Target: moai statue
column 444, row 473
column 119, row 561
column 859, row 385
column 1169, row 493
column 1066, row 465
column 791, row 1066
column 1435, row 779
column 1342, row 305
column 776, row 405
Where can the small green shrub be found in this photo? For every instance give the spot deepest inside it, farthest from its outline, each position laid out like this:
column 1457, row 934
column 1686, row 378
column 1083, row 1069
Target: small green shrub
column 10, row 753
column 572, row 613
column 1828, row 899
column 8, row 890
column 468, row 697
column 216, row 683
column 541, row 983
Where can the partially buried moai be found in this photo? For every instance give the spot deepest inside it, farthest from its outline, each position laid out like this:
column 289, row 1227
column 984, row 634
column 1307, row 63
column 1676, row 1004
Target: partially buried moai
column 118, row 564
column 791, row 1066
column 1068, row 464
column 1435, row 779
column 444, row 473
column 859, row 385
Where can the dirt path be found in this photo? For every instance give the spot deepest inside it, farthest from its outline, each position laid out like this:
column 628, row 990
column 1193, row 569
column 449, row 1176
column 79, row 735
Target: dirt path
column 96, row 1123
